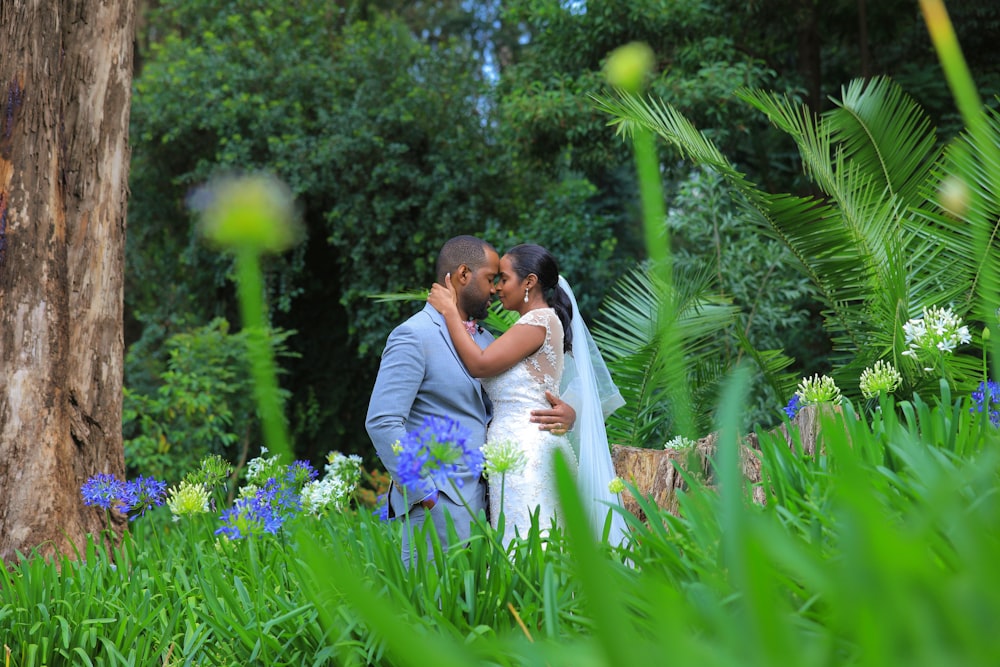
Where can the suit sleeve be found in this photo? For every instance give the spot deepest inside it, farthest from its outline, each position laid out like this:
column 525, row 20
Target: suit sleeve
column 400, row 375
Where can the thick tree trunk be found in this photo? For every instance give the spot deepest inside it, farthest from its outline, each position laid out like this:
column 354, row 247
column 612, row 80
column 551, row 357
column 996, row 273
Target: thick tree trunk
column 654, row 472
column 65, row 81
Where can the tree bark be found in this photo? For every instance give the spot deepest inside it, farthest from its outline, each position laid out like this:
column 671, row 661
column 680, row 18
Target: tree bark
column 655, row 475
column 65, row 81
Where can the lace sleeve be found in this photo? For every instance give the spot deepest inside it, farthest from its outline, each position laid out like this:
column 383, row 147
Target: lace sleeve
column 540, row 317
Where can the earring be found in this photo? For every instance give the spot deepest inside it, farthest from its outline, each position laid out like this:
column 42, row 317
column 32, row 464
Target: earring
column 526, row 295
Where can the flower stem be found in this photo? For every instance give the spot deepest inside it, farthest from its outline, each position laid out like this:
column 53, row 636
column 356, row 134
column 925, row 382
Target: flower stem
column 250, row 288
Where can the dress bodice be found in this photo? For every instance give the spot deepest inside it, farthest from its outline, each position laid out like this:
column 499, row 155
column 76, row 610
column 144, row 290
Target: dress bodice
column 514, row 394
column 522, row 387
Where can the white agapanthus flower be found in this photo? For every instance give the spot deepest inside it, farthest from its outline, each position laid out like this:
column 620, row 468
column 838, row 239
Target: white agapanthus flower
column 503, row 457
column 937, row 331
column 882, row 376
column 818, row 389
column 342, row 475
column 679, row 442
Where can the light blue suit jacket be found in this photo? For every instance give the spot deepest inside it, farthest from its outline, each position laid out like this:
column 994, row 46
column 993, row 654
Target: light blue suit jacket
column 421, row 374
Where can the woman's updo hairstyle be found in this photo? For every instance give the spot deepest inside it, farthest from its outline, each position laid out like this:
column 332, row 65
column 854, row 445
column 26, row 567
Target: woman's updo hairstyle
column 528, row 258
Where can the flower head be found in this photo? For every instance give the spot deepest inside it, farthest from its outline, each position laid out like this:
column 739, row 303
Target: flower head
column 262, row 468
column 255, row 212
column 434, row 453
column 343, row 473
column 299, row 473
column 212, row 470
column 103, row 490
column 141, row 494
column 794, row 405
column 987, row 399
column 628, row 66
column 263, row 512
column 616, row 485
column 187, row 499
column 938, row 331
column 881, row 377
column 679, row 442
column 503, row 457
column 818, row 389
column 382, row 507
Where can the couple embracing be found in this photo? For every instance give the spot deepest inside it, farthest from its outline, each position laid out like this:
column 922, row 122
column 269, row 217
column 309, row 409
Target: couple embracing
column 541, row 385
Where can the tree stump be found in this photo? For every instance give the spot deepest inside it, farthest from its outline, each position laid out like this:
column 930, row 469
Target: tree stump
column 655, row 473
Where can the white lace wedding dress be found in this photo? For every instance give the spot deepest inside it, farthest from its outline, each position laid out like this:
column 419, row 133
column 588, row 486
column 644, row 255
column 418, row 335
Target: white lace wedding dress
column 515, row 393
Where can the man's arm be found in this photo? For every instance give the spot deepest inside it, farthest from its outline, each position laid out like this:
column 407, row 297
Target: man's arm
column 400, row 374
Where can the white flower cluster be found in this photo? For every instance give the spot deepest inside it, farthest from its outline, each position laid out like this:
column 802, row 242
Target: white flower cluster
column 938, row 331
column 342, row 476
column 679, row 442
column 818, row 389
column 502, row 457
column 883, row 376
column 261, row 469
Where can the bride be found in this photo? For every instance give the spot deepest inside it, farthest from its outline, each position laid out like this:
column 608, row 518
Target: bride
column 533, row 356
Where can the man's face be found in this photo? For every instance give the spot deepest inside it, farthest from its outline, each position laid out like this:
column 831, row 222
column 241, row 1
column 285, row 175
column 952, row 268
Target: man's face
column 475, row 297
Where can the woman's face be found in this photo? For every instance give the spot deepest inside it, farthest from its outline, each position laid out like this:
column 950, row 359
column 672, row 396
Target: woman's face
column 510, row 288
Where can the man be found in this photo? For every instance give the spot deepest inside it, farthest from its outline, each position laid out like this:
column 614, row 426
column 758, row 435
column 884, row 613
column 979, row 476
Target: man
column 421, row 375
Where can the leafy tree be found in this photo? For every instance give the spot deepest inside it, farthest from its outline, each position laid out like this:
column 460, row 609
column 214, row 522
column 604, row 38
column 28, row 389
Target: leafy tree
column 200, row 404
column 384, row 130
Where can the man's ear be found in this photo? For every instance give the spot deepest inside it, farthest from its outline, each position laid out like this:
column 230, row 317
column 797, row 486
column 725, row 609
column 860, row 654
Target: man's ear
column 462, row 275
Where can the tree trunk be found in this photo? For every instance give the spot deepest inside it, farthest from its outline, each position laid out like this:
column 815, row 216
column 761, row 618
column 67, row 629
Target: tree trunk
column 654, row 472
column 65, row 81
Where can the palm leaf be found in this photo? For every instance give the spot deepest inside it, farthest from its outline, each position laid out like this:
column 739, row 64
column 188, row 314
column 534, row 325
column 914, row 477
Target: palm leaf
column 875, row 243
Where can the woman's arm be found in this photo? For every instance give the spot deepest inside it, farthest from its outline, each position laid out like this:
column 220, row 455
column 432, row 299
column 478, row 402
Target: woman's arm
column 515, row 344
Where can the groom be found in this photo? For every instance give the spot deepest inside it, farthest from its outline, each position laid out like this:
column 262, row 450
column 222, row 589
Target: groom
column 421, row 375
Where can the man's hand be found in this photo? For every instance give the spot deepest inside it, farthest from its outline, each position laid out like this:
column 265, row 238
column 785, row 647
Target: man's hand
column 430, row 501
column 558, row 419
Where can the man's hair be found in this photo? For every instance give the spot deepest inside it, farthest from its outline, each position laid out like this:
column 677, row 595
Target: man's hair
column 460, row 250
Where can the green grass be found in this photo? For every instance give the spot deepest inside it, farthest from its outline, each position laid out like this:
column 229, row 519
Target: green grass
column 880, row 550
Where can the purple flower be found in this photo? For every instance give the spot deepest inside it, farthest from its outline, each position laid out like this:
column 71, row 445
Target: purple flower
column 432, row 455
column 141, row 494
column 299, row 473
column 264, row 512
column 382, row 507
column 103, row 490
column 987, row 399
column 793, row 407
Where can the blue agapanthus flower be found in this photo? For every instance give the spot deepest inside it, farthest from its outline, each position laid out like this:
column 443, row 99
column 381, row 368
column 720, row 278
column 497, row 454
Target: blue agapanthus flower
column 382, row 507
column 103, row 490
column 264, row 512
column 987, row 399
column 299, row 473
column 793, row 407
column 432, row 455
column 141, row 494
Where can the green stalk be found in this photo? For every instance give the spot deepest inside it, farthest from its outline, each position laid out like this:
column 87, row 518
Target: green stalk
column 657, row 245
column 250, row 288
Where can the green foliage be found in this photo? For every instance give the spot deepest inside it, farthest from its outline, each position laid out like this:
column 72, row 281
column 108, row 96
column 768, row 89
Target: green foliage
column 876, row 549
column 200, row 404
column 875, row 246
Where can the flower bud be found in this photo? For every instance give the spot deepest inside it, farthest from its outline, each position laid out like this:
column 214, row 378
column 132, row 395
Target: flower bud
column 986, row 334
column 628, row 66
column 953, row 196
column 253, row 212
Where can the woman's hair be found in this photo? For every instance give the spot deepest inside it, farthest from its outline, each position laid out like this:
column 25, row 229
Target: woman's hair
column 529, row 258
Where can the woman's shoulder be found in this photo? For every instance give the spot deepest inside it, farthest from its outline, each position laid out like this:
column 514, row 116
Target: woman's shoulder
column 539, row 317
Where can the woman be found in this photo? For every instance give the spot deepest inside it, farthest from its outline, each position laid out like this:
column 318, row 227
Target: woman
column 518, row 368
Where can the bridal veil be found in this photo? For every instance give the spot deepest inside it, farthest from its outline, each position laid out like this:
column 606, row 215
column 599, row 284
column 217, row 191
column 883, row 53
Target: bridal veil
column 587, row 386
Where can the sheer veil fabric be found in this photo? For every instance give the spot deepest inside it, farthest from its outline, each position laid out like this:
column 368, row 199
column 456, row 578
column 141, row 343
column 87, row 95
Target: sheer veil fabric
column 587, row 386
